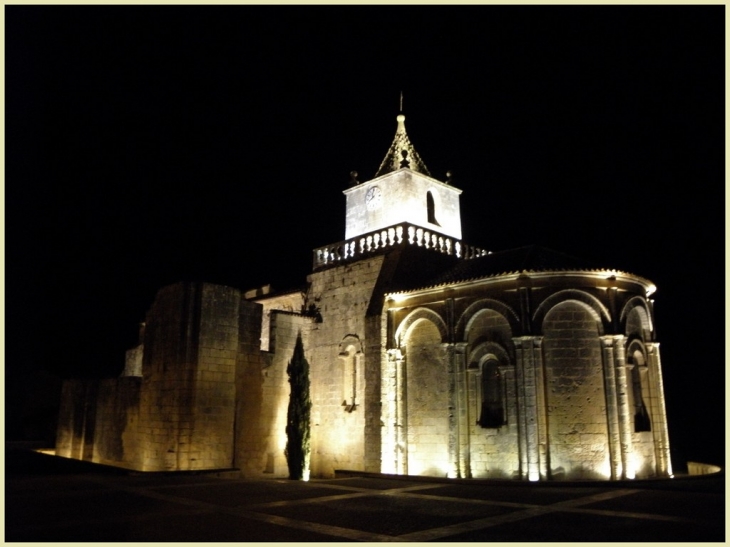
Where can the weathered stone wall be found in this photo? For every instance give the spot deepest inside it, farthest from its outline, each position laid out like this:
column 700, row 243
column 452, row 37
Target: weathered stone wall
column 428, row 401
column 291, row 302
column 576, row 400
column 263, row 391
column 251, row 427
column 213, row 409
column 133, row 361
column 117, row 415
column 494, row 451
column 188, row 388
column 639, row 393
column 98, row 420
column 398, row 390
column 342, row 295
column 76, row 419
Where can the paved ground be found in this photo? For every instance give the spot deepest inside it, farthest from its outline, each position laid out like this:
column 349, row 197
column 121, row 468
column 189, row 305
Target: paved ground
column 53, row 499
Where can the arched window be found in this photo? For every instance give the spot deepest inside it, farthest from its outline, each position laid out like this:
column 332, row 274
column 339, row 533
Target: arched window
column 492, row 411
column 642, row 420
column 431, row 208
column 350, row 359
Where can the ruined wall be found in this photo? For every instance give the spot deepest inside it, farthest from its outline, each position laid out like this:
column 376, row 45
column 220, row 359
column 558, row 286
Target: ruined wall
column 213, row 409
column 117, row 416
column 98, row 420
column 343, row 294
column 188, row 389
column 133, row 361
column 76, row 419
column 291, row 302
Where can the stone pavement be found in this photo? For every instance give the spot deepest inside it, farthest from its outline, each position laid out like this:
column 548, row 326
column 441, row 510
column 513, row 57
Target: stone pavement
column 49, row 499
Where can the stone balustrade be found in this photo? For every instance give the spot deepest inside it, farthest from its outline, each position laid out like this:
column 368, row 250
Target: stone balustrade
column 400, row 234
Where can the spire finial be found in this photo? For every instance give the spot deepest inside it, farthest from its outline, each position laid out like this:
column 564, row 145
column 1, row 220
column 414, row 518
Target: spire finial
column 401, row 102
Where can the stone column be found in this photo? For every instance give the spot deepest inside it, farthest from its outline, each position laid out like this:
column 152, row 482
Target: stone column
column 521, row 408
column 609, row 386
column 658, row 411
column 532, row 426
column 454, row 411
column 541, row 410
column 462, row 400
column 624, row 411
column 389, row 390
column 401, row 417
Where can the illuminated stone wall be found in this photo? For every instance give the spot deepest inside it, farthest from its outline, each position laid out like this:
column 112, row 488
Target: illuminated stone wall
column 576, row 401
column 290, row 302
column 262, row 387
column 117, row 418
column 98, row 420
column 493, row 451
column 404, row 197
column 428, row 401
column 555, row 377
column 340, row 345
column 77, row 419
column 188, row 388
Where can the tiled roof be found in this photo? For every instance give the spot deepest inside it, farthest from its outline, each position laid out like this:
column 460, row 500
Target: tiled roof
column 395, row 158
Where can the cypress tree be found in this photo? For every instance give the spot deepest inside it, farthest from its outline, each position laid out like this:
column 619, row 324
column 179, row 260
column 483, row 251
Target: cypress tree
column 298, row 413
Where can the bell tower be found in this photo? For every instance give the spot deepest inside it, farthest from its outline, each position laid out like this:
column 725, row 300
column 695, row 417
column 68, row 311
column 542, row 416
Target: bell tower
column 402, row 191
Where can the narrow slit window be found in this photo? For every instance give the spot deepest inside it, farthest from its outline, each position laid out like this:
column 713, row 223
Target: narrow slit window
column 431, row 208
column 492, row 411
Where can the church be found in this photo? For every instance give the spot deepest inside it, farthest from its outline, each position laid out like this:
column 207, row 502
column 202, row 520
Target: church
column 427, row 356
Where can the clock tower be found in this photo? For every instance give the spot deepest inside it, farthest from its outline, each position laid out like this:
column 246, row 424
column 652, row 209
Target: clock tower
column 402, row 192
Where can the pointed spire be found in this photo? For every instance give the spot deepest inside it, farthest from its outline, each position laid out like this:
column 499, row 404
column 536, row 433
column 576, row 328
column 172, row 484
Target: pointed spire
column 401, row 152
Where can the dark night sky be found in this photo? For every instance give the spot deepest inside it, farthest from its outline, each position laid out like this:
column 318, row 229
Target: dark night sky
column 148, row 145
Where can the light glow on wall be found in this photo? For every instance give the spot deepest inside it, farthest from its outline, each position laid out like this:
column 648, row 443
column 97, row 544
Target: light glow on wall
column 397, row 298
column 605, row 470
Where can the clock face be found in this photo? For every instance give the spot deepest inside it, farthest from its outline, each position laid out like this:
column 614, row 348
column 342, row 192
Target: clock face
column 373, row 198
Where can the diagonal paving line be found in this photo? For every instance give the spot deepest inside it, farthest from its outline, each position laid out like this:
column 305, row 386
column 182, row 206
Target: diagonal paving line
column 474, row 501
column 336, row 531
column 566, row 509
column 318, row 499
column 529, row 511
column 473, row 525
column 355, row 492
column 633, row 515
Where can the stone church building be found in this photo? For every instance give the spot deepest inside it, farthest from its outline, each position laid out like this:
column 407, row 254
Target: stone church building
column 427, row 356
